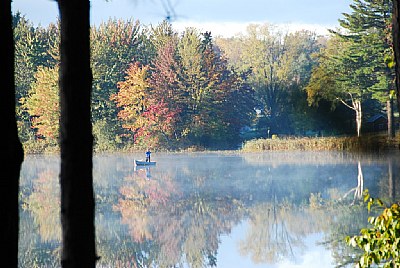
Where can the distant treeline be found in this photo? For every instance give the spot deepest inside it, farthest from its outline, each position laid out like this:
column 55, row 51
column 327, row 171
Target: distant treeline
column 154, row 87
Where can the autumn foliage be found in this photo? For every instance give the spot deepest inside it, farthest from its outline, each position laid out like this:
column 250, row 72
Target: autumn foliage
column 187, row 95
column 42, row 103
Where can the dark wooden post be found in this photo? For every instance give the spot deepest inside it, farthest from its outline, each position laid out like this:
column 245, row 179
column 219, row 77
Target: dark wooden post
column 396, row 46
column 76, row 178
column 11, row 152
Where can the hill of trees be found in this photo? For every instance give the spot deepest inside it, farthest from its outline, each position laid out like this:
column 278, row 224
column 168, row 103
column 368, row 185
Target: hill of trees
column 154, row 87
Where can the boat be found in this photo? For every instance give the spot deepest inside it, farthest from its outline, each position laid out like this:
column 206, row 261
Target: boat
column 144, row 163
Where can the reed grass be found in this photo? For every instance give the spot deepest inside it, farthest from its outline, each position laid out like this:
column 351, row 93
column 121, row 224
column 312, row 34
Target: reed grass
column 365, row 143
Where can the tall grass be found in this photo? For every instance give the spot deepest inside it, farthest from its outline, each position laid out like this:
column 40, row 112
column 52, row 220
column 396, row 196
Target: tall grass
column 365, row 143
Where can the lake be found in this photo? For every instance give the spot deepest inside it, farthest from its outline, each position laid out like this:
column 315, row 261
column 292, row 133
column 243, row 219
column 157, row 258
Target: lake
column 279, row 209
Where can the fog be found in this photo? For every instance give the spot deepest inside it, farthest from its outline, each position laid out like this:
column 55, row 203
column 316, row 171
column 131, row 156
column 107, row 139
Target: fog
column 270, row 209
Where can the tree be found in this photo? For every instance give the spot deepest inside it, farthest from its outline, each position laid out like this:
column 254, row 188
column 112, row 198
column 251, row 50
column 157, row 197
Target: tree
column 338, row 78
column 186, row 95
column 34, row 47
column 133, row 96
column 12, row 153
column 42, row 104
column 166, row 87
column 263, row 55
column 367, row 30
column 155, row 126
column 189, row 50
column 114, row 45
column 277, row 65
column 76, row 178
column 227, row 101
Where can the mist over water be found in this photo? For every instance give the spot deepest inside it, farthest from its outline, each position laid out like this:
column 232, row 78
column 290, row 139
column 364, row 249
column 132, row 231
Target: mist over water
column 273, row 209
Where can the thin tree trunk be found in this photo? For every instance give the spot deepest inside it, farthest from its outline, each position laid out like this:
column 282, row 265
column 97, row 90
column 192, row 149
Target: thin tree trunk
column 396, row 46
column 77, row 197
column 10, row 147
column 357, row 108
column 390, row 116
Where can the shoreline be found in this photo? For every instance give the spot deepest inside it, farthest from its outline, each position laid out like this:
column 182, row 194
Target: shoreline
column 368, row 143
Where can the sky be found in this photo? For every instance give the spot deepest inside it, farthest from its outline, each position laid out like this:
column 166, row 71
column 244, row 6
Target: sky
column 221, row 17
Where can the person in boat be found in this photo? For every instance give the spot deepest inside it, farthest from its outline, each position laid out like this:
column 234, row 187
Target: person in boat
column 148, row 154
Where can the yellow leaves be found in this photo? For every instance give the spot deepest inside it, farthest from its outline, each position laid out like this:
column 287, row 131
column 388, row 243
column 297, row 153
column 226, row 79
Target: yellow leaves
column 381, row 242
column 42, row 103
column 132, row 92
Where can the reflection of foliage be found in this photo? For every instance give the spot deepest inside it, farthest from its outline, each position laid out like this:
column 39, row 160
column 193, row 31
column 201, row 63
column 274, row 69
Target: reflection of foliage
column 40, row 242
column 140, row 196
column 30, row 253
column 44, row 205
column 337, row 217
column 270, row 238
column 278, row 228
column 190, row 226
column 380, row 243
column 117, row 250
column 175, row 216
column 315, row 200
column 342, row 220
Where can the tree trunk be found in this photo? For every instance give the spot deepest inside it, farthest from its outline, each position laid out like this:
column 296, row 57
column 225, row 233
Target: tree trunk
column 77, row 198
column 390, row 116
column 396, row 47
column 357, row 109
column 356, row 106
column 10, row 147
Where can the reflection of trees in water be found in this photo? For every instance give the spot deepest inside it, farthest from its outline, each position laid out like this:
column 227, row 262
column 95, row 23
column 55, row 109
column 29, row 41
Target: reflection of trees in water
column 278, row 227
column 269, row 239
column 181, row 227
column 119, row 251
column 277, row 230
column 345, row 220
column 43, row 206
column 141, row 196
column 358, row 190
column 178, row 215
column 32, row 253
column 390, row 183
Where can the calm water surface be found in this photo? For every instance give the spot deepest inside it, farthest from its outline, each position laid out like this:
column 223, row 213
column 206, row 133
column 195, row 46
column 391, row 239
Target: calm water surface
column 287, row 209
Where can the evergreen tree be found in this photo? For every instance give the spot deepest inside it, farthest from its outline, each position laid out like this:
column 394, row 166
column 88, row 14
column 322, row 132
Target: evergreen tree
column 367, row 31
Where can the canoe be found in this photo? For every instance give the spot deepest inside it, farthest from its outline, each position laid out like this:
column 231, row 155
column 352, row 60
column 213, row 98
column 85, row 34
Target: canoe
column 144, row 163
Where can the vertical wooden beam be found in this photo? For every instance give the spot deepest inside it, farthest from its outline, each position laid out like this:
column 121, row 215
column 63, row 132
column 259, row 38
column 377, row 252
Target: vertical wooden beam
column 76, row 178
column 11, row 152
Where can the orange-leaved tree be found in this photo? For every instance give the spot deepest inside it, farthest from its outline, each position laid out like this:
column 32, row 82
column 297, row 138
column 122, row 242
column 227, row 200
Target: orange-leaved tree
column 148, row 116
column 149, row 119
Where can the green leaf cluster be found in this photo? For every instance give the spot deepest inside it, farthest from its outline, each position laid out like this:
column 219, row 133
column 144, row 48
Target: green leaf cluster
column 381, row 243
